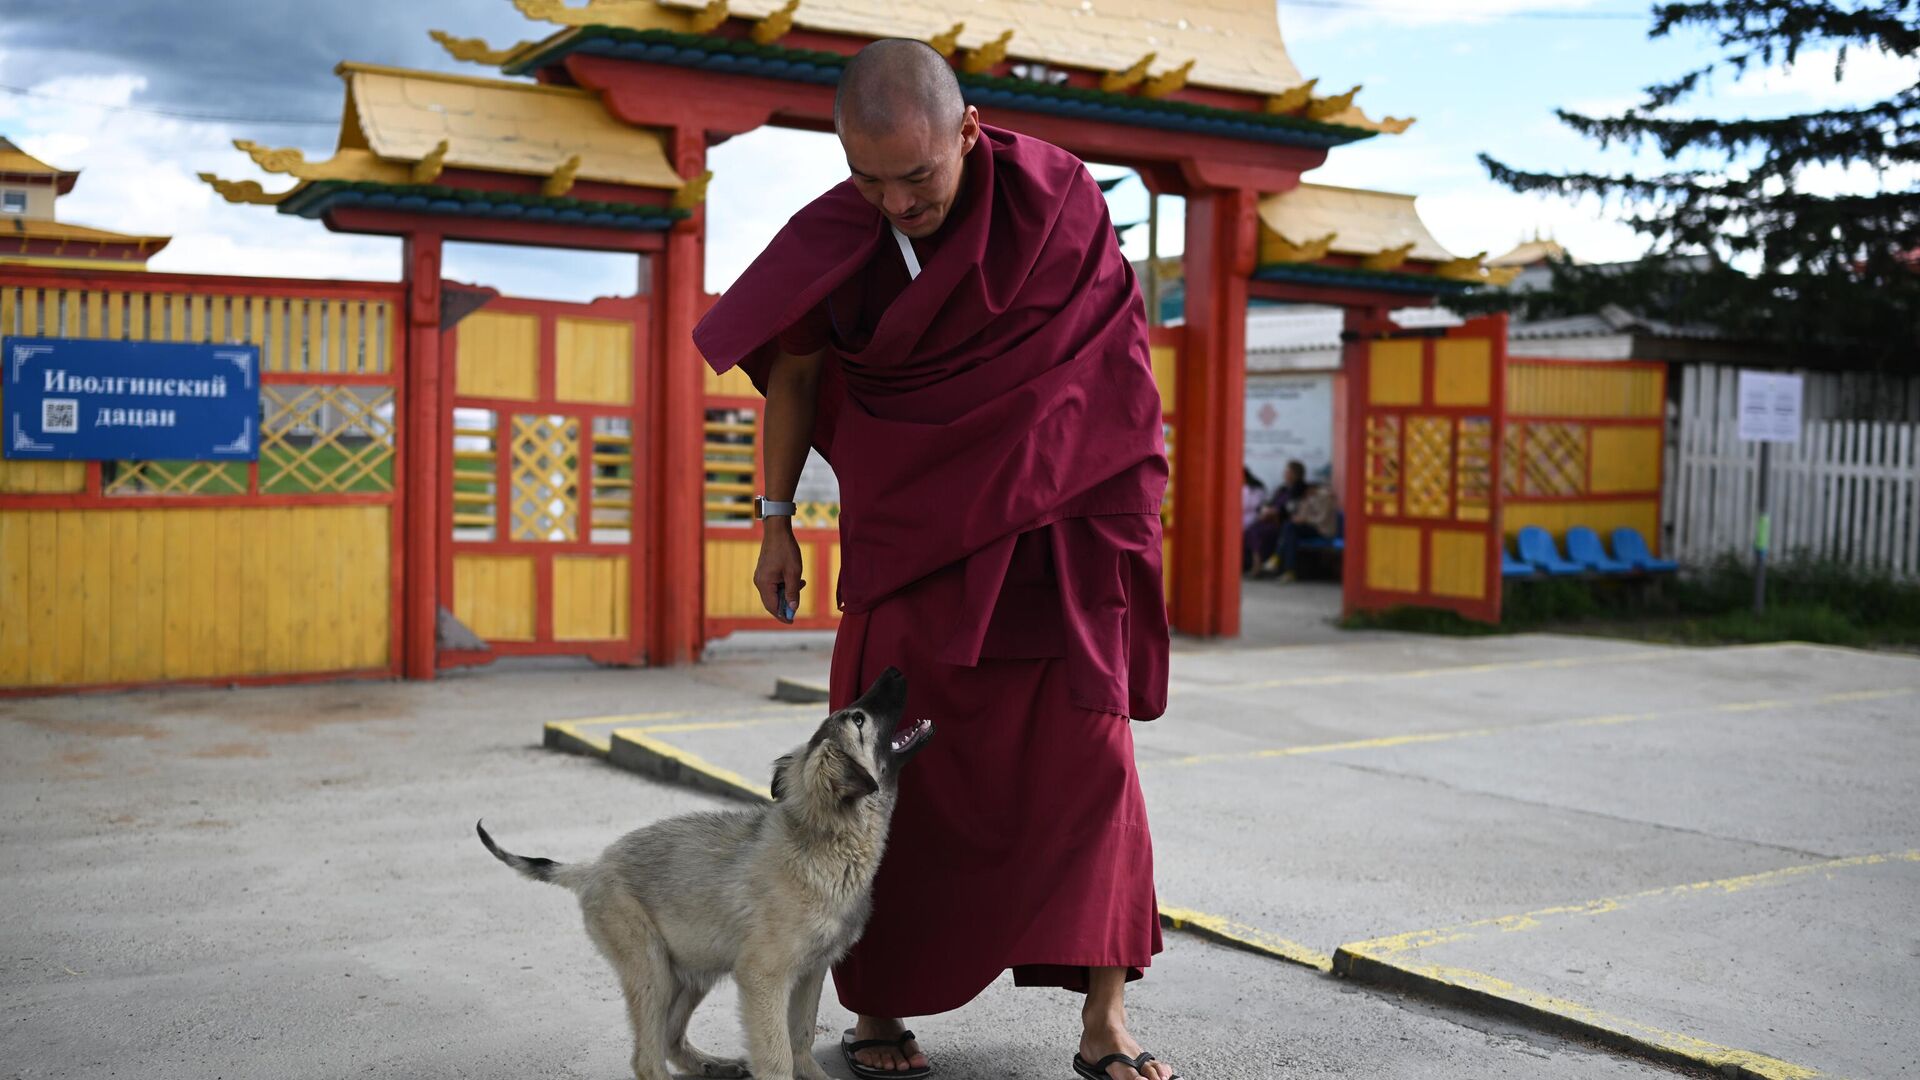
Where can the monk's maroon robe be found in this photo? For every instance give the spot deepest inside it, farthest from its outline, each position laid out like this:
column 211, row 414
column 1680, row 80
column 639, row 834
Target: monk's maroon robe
column 996, row 431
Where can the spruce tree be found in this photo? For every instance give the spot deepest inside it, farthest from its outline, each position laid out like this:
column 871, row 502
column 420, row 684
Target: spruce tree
column 1832, row 279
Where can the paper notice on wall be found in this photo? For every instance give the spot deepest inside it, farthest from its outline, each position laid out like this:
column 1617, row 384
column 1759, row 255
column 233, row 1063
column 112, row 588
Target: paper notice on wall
column 1770, row 406
column 1289, row 418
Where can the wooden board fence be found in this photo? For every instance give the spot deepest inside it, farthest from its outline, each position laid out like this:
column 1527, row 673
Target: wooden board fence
column 1848, row 491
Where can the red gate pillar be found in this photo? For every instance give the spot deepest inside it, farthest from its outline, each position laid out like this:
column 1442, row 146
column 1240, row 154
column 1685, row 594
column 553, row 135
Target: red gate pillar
column 1359, row 326
column 1212, row 386
column 680, row 424
column 421, row 440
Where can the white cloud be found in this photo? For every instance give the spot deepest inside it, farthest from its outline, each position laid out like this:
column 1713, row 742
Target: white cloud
column 1856, row 178
column 1489, row 219
column 1868, row 76
column 1306, row 23
column 137, row 176
column 761, row 179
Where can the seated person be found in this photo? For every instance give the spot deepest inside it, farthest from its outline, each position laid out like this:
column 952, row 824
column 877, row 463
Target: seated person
column 1253, row 496
column 1313, row 515
column 1263, row 535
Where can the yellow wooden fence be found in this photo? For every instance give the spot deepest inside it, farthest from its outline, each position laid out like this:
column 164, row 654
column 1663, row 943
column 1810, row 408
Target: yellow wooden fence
column 139, row 571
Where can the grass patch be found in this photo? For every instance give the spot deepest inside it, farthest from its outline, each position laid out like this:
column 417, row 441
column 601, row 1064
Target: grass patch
column 1807, row 600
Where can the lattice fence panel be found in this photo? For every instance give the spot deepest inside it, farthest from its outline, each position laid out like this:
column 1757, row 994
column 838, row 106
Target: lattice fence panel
column 1553, row 459
column 546, row 478
column 174, row 478
column 325, row 439
column 1383, row 466
column 1429, row 466
column 1475, row 458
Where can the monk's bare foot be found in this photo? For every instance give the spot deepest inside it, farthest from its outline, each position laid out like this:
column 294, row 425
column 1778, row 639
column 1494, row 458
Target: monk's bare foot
column 886, row 1057
column 1102, row 1037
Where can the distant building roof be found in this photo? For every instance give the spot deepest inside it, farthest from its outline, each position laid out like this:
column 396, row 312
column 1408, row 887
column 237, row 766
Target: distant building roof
column 1535, row 252
column 1364, row 234
column 16, row 163
column 1610, row 319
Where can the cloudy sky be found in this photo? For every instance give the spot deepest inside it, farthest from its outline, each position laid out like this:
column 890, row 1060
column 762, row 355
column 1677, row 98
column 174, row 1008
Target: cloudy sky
column 143, row 94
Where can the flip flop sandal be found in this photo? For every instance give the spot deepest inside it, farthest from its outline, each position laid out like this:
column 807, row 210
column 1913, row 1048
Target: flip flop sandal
column 848, row 1048
column 1098, row 1070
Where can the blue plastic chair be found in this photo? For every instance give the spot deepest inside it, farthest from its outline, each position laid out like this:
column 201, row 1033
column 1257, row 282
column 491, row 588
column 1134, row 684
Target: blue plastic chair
column 1583, row 547
column 1631, row 547
column 1537, row 547
column 1512, row 567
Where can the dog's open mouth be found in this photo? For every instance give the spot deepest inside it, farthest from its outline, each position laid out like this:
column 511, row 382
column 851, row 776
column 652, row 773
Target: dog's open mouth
column 910, row 735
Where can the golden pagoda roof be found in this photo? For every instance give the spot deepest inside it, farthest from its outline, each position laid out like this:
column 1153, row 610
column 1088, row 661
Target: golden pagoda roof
column 1382, row 229
column 1234, row 44
column 495, row 125
column 1537, row 250
column 1151, row 44
column 402, row 128
column 17, row 162
column 22, row 228
column 1360, row 222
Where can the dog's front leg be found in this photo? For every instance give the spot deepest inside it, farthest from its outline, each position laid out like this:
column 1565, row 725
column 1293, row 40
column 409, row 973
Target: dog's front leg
column 765, row 987
column 803, row 1013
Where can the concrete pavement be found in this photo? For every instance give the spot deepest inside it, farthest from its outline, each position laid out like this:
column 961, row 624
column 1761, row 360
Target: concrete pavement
column 1369, row 799
column 1709, row 851
column 284, row 882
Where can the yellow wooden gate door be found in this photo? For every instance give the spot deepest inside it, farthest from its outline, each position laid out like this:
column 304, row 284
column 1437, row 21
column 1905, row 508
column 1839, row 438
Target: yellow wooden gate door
column 1423, row 485
column 540, row 549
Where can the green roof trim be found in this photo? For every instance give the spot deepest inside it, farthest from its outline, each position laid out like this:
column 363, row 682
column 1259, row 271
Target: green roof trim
column 322, row 195
column 1390, row 280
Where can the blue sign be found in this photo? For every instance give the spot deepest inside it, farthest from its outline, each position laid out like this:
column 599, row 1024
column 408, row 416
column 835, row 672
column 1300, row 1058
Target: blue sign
column 72, row 399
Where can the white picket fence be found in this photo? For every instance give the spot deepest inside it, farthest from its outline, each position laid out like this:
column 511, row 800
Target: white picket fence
column 1847, row 491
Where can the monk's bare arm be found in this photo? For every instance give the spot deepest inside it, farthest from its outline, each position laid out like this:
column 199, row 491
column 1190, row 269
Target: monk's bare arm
column 793, row 389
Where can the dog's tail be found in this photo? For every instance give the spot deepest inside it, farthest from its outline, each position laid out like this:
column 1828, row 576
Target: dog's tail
column 538, row 869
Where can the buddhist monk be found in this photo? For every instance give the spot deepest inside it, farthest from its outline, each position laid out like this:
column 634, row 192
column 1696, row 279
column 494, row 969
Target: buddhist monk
column 956, row 331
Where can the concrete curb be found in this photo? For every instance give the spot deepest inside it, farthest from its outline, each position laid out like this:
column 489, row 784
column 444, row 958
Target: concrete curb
column 565, row 736
column 1464, row 988
column 635, row 751
column 800, row 692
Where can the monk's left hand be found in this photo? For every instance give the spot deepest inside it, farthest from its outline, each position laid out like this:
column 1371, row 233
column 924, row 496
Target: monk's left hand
column 779, row 568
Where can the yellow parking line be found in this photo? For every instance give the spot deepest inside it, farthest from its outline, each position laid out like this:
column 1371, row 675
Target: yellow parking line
column 1389, row 741
column 1240, row 936
column 1463, row 986
column 1554, row 664
column 1379, row 948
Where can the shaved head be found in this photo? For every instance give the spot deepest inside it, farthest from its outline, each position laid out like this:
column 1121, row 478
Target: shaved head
column 894, row 82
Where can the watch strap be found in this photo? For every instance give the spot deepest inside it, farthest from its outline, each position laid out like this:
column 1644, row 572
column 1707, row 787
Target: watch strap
column 764, row 507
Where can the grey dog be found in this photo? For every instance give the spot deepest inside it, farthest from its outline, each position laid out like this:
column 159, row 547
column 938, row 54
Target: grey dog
column 772, row 896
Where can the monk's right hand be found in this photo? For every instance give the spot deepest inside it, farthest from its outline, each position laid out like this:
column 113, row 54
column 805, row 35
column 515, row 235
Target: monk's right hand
column 779, row 566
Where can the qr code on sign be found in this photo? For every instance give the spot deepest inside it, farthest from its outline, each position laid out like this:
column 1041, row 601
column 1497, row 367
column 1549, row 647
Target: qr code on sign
column 59, row 416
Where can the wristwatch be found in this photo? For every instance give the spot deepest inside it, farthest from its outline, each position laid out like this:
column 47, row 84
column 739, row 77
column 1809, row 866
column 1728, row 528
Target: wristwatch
column 764, row 507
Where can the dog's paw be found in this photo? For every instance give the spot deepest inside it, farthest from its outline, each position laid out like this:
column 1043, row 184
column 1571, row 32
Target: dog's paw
column 725, row 1069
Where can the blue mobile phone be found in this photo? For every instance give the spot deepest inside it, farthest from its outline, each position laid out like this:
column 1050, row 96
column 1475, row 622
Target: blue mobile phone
column 786, row 609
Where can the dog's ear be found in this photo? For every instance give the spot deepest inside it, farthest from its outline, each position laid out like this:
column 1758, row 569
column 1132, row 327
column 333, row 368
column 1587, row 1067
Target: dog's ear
column 853, row 781
column 782, row 767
